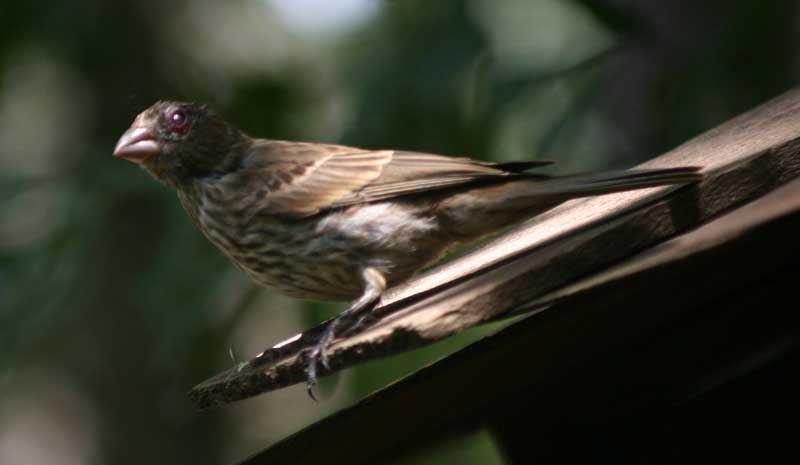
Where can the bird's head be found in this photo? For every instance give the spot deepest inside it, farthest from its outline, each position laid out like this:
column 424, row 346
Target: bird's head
column 177, row 142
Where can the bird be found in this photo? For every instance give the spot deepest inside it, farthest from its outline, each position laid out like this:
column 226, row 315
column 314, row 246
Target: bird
column 330, row 222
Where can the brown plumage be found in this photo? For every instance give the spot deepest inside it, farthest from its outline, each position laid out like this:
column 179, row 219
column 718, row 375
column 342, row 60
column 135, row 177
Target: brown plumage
column 330, row 222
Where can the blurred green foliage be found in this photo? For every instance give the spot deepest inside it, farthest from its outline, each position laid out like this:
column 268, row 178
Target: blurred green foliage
column 112, row 305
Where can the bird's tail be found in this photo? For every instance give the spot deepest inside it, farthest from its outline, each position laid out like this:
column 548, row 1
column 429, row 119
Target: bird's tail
column 607, row 182
column 483, row 210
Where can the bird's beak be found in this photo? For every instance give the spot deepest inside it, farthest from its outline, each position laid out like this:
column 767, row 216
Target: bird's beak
column 137, row 144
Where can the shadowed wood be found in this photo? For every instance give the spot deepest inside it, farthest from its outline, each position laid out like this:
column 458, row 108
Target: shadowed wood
column 742, row 159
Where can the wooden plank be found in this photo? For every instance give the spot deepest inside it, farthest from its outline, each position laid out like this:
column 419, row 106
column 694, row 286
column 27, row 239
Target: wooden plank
column 665, row 325
column 742, row 160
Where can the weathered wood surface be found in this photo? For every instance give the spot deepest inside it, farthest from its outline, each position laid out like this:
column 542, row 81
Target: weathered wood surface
column 742, row 160
column 662, row 327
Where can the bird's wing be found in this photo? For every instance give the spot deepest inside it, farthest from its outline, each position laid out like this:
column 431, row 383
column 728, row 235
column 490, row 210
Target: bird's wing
column 303, row 178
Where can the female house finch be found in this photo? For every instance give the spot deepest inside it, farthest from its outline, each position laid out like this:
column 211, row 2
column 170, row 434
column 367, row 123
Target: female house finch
column 330, row 222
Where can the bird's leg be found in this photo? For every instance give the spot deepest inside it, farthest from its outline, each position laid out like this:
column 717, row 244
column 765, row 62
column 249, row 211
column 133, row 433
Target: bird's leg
column 374, row 285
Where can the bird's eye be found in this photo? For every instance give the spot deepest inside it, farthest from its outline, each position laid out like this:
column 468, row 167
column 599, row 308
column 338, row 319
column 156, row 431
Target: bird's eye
column 178, row 121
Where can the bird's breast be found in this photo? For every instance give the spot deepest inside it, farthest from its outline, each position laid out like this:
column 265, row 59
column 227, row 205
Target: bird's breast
column 320, row 257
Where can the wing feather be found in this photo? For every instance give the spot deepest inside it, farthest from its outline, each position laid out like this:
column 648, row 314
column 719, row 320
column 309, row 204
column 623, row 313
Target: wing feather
column 303, row 178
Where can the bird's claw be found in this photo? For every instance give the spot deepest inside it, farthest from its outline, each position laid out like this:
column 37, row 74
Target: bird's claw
column 317, row 356
column 311, row 382
column 360, row 323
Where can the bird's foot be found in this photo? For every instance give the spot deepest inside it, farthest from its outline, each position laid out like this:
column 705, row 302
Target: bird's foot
column 359, row 323
column 344, row 324
column 319, row 356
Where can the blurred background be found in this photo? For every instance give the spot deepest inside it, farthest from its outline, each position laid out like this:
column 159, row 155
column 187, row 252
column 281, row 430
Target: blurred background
column 112, row 305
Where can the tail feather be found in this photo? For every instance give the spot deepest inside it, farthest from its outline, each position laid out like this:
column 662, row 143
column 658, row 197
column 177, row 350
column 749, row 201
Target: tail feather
column 486, row 209
column 616, row 181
